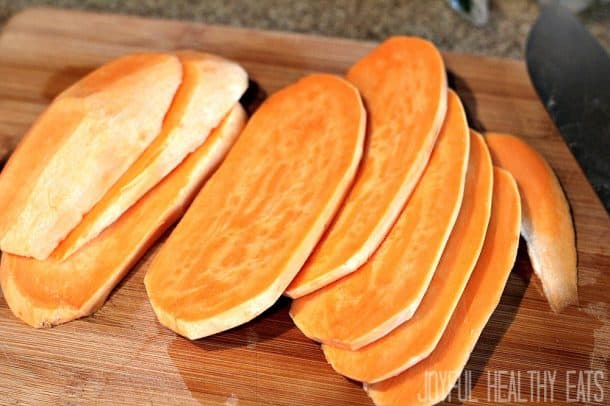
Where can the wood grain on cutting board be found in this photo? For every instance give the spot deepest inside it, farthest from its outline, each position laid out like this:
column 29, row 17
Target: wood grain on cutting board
column 122, row 354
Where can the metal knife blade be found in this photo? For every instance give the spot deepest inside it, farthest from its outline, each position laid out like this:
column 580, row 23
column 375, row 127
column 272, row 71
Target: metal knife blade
column 570, row 71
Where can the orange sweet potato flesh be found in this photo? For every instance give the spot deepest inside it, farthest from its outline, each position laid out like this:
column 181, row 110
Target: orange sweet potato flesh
column 209, row 88
column 546, row 221
column 480, row 298
column 415, row 339
column 385, row 292
column 256, row 221
column 403, row 85
column 89, row 135
column 50, row 292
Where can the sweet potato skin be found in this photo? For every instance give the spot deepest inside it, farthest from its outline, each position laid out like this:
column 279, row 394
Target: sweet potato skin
column 546, row 221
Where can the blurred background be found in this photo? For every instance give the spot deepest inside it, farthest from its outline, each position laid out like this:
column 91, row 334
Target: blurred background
column 494, row 27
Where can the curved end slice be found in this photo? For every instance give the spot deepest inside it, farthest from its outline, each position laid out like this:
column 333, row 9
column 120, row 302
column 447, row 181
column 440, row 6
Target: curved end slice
column 50, row 292
column 258, row 218
column 210, row 87
column 480, row 298
column 404, row 87
column 547, row 224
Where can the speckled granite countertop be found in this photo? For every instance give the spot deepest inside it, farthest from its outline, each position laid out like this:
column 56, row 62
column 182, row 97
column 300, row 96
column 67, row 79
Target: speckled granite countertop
column 504, row 34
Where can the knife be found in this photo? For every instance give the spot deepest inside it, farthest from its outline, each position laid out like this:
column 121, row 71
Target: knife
column 570, row 71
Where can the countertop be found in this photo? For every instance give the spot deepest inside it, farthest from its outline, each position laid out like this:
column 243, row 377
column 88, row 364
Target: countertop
column 504, row 35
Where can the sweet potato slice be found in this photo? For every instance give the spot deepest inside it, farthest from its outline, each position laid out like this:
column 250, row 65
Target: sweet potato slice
column 79, row 147
column 546, row 221
column 255, row 222
column 367, row 304
column 404, row 88
column 210, row 87
column 415, row 339
column 50, row 292
column 480, row 298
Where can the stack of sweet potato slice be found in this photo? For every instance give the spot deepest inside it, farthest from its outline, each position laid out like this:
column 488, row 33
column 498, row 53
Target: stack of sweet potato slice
column 393, row 231
column 126, row 147
column 420, row 302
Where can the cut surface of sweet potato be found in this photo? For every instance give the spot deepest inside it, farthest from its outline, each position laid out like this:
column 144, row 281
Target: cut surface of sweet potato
column 415, row 339
column 49, row 292
column 367, row 304
column 85, row 140
column 480, row 298
column 210, row 87
column 546, row 221
column 403, row 85
column 255, row 222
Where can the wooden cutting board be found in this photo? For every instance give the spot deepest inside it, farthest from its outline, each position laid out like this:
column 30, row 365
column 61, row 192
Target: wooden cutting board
column 121, row 354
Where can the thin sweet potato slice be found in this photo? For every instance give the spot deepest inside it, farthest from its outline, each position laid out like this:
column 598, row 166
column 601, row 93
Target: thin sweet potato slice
column 76, row 150
column 256, row 221
column 385, row 292
column 210, row 87
column 403, row 85
column 480, row 298
column 546, row 221
column 415, row 339
column 50, row 292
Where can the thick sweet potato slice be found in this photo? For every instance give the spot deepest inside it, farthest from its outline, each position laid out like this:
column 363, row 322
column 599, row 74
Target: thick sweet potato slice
column 546, row 221
column 210, row 87
column 50, row 292
column 404, row 88
column 415, row 339
column 480, row 298
column 256, row 221
column 367, row 304
column 79, row 147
